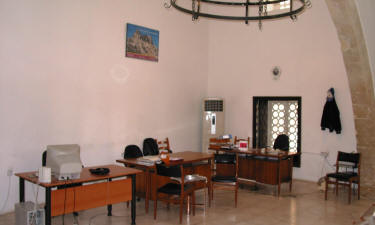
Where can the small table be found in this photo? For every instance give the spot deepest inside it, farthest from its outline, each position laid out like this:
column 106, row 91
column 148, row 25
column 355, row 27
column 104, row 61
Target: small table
column 69, row 196
column 188, row 157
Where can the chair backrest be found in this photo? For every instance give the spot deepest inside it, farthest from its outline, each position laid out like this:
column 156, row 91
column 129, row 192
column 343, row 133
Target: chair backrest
column 237, row 140
column 150, row 147
column 168, row 171
column 132, row 151
column 345, row 157
column 282, row 142
column 163, row 144
column 216, row 143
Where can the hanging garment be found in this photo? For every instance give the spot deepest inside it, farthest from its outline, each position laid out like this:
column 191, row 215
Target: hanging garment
column 331, row 114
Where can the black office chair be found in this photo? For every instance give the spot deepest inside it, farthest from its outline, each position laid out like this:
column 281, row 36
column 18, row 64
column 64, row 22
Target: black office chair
column 176, row 187
column 150, row 147
column 226, row 173
column 347, row 173
column 132, row 151
column 282, row 142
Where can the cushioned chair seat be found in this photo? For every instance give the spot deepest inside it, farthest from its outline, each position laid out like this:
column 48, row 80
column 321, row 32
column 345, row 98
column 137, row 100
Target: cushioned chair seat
column 342, row 176
column 173, row 188
column 225, row 158
column 260, row 157
column 224, row 179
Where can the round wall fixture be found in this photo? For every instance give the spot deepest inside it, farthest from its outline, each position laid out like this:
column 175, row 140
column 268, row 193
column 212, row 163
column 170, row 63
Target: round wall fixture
column 276, row 72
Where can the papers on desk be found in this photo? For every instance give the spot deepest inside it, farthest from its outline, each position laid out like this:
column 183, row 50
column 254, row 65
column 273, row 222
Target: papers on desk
column 148, row 160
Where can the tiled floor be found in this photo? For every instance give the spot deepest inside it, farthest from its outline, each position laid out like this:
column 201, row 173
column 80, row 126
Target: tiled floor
column 305, row 206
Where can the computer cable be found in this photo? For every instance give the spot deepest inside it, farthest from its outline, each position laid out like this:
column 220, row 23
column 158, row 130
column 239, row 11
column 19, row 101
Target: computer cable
column 115, row 216
column 7, row 198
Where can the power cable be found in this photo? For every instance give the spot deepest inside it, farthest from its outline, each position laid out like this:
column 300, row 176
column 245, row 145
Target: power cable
column 7, row 198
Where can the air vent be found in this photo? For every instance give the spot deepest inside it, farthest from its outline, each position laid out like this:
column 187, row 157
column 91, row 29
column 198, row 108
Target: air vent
column 213, row 105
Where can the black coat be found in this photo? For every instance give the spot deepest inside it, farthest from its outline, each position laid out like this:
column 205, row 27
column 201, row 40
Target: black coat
column 331, row 117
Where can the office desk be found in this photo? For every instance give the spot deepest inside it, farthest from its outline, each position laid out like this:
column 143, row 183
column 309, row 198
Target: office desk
column 73, row 199
column 193, row 162
column 267, row 167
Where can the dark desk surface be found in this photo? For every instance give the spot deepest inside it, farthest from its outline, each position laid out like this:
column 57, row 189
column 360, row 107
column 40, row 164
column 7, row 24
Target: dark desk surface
column 86, row 176
column 257, row 152
column 187, row 156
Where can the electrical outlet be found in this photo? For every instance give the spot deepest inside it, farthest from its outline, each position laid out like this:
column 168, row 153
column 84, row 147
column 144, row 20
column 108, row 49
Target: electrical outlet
column 10, row 172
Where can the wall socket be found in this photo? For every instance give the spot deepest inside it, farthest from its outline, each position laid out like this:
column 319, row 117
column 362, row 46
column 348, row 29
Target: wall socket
column 324, row 154
column 10, row 172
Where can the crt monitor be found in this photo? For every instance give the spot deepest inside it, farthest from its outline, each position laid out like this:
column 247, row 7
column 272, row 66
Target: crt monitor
column 64, row 161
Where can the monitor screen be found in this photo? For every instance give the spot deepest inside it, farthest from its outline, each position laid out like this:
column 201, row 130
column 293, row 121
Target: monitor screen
column 64, row 161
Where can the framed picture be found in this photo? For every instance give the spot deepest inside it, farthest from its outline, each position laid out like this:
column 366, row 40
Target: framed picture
column 142, row 43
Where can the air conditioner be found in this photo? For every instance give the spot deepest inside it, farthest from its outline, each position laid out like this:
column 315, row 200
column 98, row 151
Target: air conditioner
column 213, row 120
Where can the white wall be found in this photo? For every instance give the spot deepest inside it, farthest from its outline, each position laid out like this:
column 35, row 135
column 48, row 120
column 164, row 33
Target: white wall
column 308, row 51
column 366, row 14
column 64, row 79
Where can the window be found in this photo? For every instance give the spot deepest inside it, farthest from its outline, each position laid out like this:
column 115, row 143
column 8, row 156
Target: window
column 277, row 115
column 283, row 119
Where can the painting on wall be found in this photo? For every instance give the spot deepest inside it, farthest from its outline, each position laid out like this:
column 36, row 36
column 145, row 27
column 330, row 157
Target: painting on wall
column 142, row 42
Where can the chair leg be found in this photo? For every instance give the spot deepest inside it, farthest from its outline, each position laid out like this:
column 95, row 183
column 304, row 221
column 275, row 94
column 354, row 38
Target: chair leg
column 181, row 207
column 325, row 192
column 235, row 195
column 359, row 189
column 155, row 206
column 337, row 187
column 212, row 191
column 127, row 204
column 350, row 191
column 290, row 185
column 193, row 202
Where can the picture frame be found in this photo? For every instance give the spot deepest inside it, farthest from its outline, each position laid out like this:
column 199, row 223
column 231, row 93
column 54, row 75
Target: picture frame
column 142, row 43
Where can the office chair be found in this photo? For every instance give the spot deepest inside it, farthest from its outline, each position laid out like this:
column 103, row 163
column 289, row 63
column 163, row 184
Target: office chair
column 281, row 142
column 150, row 147
column 132, row 151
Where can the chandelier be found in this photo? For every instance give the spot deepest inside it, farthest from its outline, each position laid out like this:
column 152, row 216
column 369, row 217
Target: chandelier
column 261, row 9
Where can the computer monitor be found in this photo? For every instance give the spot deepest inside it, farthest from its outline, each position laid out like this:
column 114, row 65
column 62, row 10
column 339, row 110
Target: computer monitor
column 64, row 161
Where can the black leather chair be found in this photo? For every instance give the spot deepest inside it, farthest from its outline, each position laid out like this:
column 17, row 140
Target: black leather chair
column 226, row 173
column 150, row 147
column 347, row 173
column 281, row 142
column 132, row 151
column 176, row 187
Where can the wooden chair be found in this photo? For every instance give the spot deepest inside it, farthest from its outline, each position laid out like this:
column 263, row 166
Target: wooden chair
column 226, row 169
column 177, row 190
column 237, row 140
column 347, row 173
column 216, row 143
column 164, row 145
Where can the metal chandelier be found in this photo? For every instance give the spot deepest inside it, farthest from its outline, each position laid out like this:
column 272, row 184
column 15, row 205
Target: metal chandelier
column 261, row 7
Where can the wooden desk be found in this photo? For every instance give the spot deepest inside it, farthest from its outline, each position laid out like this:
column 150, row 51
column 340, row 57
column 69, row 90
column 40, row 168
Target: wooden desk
column 69, row 198
column 193, row 165
column 267, row 167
